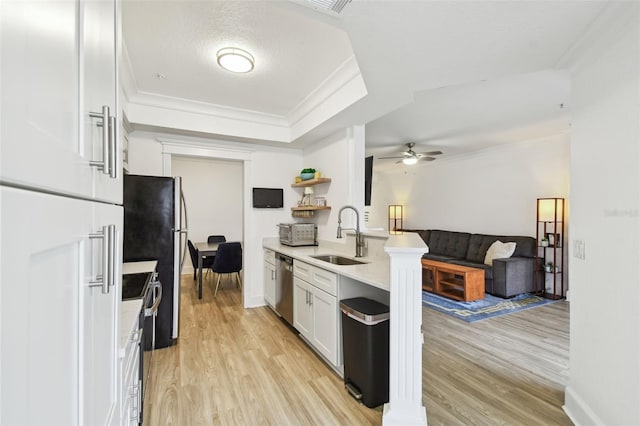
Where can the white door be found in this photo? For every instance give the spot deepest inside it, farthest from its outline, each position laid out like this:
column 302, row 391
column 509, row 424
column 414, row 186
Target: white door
column 99, row 97
column 270, row 283
column 325, row 323
column 100, row 315
column 39, row 77
column 302, row 308
column 45, row 265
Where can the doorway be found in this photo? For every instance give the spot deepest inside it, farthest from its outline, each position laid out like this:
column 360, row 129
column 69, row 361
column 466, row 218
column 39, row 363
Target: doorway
column 212, row 190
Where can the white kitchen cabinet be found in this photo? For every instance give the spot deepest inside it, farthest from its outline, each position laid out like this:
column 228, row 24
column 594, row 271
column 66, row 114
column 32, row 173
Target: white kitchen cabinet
column 270, row 277
column 325, row 325
column 303, row 308
column 131, row 396
column 42, row 128
column 58, row 351
column 99, row 59
column 315, row 310
column 100, row 310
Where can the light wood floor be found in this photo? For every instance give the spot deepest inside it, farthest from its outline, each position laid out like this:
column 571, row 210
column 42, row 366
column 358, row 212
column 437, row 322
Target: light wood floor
column 244, row 367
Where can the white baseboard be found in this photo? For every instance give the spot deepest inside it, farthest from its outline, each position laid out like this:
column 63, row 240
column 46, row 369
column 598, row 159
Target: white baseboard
column 579, row 411
column 254, row 301
column 567, row 296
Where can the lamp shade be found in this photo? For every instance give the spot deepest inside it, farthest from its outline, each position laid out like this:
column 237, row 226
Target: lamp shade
column 395, row 217
column 550, row 210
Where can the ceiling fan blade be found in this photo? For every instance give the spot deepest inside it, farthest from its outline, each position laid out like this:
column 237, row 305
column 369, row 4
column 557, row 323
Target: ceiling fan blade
column 427, row 158
column 431, row 153
column 388, row 158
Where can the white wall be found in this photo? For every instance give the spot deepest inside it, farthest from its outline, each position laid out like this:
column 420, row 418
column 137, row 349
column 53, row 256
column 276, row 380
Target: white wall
column 493, row 191
column 604, row 386
column 341, row 158
column 145, row 155
column 213, row 192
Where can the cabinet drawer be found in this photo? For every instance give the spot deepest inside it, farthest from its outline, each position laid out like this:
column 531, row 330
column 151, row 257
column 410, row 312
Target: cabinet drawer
column 302, row 270
column 325, row 280
column 270, row 256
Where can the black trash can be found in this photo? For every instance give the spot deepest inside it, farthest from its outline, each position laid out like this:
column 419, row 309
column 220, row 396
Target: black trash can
column 365, row 345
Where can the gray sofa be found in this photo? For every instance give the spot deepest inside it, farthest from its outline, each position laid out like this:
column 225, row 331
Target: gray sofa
column 506, row 278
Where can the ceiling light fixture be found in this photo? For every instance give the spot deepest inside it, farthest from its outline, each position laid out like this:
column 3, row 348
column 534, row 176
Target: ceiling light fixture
column 235, row 60
column 410, row 161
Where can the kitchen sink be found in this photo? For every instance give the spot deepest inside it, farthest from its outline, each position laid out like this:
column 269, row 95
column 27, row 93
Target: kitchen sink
column 338, row 260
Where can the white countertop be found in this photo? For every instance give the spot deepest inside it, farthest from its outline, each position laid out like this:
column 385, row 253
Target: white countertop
column 139, row 267
column 129, row 316
column 375, row 272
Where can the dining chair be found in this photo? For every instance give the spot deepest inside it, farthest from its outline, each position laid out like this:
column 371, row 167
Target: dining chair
column 228, row 261
column 207, row 262
column 216, row 239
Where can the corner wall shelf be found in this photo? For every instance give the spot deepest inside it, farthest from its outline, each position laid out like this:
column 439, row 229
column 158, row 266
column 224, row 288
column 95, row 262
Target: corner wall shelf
column 306, row 211
column 310, row 182
column 310, row 208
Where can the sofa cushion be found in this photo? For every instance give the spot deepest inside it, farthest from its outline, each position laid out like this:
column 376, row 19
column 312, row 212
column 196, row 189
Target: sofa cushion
column 449, row 243
column 480, row 243
column 499, row 250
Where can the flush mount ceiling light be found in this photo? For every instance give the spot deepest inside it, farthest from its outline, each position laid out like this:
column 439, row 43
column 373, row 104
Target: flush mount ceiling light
column 235, row 60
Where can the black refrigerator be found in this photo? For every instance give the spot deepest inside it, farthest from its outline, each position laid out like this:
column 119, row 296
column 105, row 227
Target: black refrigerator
column 155, row 229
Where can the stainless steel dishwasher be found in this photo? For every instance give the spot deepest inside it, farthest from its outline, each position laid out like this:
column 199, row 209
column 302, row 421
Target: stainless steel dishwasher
column 284, row 287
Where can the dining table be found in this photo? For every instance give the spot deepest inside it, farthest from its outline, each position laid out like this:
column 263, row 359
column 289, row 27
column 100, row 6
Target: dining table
column 203, row 250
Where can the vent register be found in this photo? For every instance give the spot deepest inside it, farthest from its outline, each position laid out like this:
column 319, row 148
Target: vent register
column 334, row 6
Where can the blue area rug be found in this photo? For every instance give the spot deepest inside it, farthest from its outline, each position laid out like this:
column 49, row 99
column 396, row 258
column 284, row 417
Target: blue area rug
column 488, row 307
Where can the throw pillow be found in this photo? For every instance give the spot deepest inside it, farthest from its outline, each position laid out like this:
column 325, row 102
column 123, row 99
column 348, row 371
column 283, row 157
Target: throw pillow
column 499, row 250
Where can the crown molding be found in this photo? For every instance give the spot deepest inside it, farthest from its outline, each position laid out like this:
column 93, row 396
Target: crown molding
column 340, row 89
column 331, row 86
column 601, row 33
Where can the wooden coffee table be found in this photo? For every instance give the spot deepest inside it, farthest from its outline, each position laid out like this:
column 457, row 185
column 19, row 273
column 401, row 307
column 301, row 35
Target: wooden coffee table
column 454, row 281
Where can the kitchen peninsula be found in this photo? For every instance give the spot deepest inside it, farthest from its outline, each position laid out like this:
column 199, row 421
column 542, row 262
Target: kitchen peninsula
column 392, row 275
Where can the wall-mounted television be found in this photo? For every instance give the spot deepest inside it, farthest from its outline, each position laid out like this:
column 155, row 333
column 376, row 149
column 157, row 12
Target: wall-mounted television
column 368, row 174
column 267, row 198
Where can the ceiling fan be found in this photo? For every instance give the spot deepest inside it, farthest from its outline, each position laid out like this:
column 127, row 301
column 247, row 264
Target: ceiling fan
column 410, row 157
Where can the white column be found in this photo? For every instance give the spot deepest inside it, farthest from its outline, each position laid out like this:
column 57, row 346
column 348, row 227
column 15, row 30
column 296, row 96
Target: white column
column 405, row 351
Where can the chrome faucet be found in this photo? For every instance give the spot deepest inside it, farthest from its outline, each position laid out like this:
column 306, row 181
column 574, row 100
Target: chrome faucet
column 359, row 236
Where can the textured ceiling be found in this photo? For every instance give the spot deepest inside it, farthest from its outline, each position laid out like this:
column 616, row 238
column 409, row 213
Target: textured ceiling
column 447, row 74
column 293, row 53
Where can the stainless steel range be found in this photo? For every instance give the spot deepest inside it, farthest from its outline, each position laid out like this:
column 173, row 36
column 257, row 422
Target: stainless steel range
column 144, row 286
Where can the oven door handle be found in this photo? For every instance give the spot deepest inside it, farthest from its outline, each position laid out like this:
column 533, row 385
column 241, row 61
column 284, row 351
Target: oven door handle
column 154, row 308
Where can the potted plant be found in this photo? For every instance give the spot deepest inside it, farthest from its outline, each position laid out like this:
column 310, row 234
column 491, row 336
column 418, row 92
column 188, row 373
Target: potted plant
column 544, row 242
column 548, row 267
column 307, row 173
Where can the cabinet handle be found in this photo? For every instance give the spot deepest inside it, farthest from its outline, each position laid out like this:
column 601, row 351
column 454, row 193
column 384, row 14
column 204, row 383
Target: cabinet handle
column 113, row 255
column 103, row 280
column 113, row 147
column 105, row 164
column 108, row 277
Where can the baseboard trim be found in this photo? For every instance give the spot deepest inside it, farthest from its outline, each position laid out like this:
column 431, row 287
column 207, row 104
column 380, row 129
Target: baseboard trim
column 254, row 301
column 579, row 411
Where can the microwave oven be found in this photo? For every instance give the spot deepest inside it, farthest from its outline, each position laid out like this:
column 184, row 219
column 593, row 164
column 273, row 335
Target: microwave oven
column 298, row 234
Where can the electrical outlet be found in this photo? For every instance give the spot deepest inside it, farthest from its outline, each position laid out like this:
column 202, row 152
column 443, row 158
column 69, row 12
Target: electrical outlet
column 578, row 249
